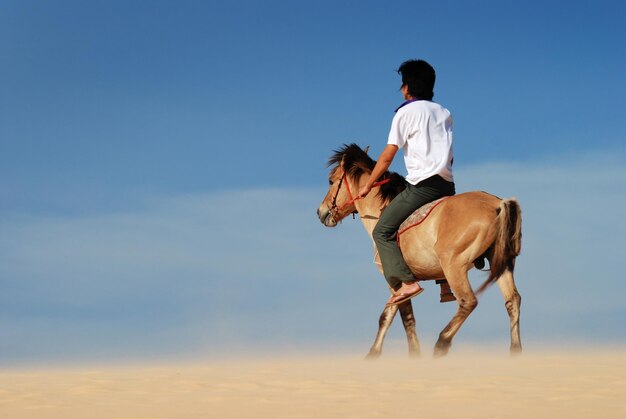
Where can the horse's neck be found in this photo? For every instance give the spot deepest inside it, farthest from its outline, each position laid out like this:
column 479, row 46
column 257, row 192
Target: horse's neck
column 369, row 208
column 369, row 225
column 369, row 212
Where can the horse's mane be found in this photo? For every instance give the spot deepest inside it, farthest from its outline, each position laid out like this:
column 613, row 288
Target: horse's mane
column 356, row 163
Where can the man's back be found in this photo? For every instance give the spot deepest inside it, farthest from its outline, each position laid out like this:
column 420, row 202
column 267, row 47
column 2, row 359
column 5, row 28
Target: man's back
column 424, row 130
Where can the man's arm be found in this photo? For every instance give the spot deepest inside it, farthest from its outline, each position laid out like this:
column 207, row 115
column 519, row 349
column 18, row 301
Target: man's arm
column 383, row 163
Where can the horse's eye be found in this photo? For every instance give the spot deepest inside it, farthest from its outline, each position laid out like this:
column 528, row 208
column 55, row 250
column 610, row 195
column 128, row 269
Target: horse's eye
column 330, row 182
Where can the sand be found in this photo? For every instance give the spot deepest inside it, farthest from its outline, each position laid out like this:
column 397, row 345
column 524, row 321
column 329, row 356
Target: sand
column 468, row 384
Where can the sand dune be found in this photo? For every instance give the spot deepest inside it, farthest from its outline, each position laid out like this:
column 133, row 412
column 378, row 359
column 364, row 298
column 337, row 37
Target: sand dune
column 473, row 384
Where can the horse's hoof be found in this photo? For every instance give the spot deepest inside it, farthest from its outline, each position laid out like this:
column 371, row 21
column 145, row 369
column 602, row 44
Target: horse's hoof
column 441, row 349
column 371, row 356
column 516, row 350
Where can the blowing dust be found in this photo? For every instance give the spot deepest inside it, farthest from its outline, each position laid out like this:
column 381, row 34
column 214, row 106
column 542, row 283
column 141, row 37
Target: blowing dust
column 468, row 382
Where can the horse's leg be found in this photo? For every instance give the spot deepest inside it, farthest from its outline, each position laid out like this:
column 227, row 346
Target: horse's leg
column 408, row 321
column 384, row 322
column 512, row 302
column 457, row 278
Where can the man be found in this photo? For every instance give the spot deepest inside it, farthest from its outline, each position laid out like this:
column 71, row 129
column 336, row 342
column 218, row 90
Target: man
column 423, row 129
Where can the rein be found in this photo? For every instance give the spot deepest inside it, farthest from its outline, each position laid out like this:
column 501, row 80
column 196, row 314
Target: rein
column 352, row 198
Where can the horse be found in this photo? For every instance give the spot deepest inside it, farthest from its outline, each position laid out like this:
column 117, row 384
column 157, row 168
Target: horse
column 460, row 232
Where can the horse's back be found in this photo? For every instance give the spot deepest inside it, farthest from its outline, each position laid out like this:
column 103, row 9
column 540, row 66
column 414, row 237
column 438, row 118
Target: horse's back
column 472, row 205
column 474, row 199
column 464, row 209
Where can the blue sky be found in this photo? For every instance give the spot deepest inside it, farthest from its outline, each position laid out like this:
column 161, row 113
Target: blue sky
column 161, row 163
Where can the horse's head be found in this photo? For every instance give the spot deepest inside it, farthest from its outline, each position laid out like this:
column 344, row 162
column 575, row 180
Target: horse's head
column 348, row 165
column 339, row 201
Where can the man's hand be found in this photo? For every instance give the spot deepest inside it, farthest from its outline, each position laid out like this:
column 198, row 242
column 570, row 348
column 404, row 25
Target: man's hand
column 364, row 191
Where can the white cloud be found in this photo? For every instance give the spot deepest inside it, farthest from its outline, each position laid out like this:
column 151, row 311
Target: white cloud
column 255, row 267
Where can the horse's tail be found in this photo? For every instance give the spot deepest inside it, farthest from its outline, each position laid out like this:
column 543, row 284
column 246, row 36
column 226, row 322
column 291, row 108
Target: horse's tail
column 508, row 242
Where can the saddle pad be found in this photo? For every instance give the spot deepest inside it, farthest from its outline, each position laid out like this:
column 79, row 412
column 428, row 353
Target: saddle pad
column 419, row 215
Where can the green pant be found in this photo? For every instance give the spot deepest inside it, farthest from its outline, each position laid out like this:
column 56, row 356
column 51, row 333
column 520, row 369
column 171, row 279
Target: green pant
column 385, row 233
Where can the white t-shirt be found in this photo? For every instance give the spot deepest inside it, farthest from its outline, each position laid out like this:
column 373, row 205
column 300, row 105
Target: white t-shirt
column 424, row 130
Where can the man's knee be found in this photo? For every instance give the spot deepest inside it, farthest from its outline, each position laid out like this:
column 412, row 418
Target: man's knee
column 383, row 234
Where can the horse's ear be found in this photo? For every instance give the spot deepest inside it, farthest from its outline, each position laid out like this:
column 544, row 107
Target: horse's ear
column 343, row 158
column 367, row 149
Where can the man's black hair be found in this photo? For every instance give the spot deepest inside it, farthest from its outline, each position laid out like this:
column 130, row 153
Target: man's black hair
column 419, row 76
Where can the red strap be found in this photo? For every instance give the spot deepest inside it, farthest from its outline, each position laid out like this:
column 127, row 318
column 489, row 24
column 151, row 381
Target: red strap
column 351, row 201
column 381, row 182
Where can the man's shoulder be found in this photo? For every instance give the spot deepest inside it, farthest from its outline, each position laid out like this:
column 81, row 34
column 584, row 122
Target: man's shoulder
column 424, row 106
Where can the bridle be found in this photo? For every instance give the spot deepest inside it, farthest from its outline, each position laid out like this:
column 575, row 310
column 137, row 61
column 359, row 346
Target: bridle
column 334, row 209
